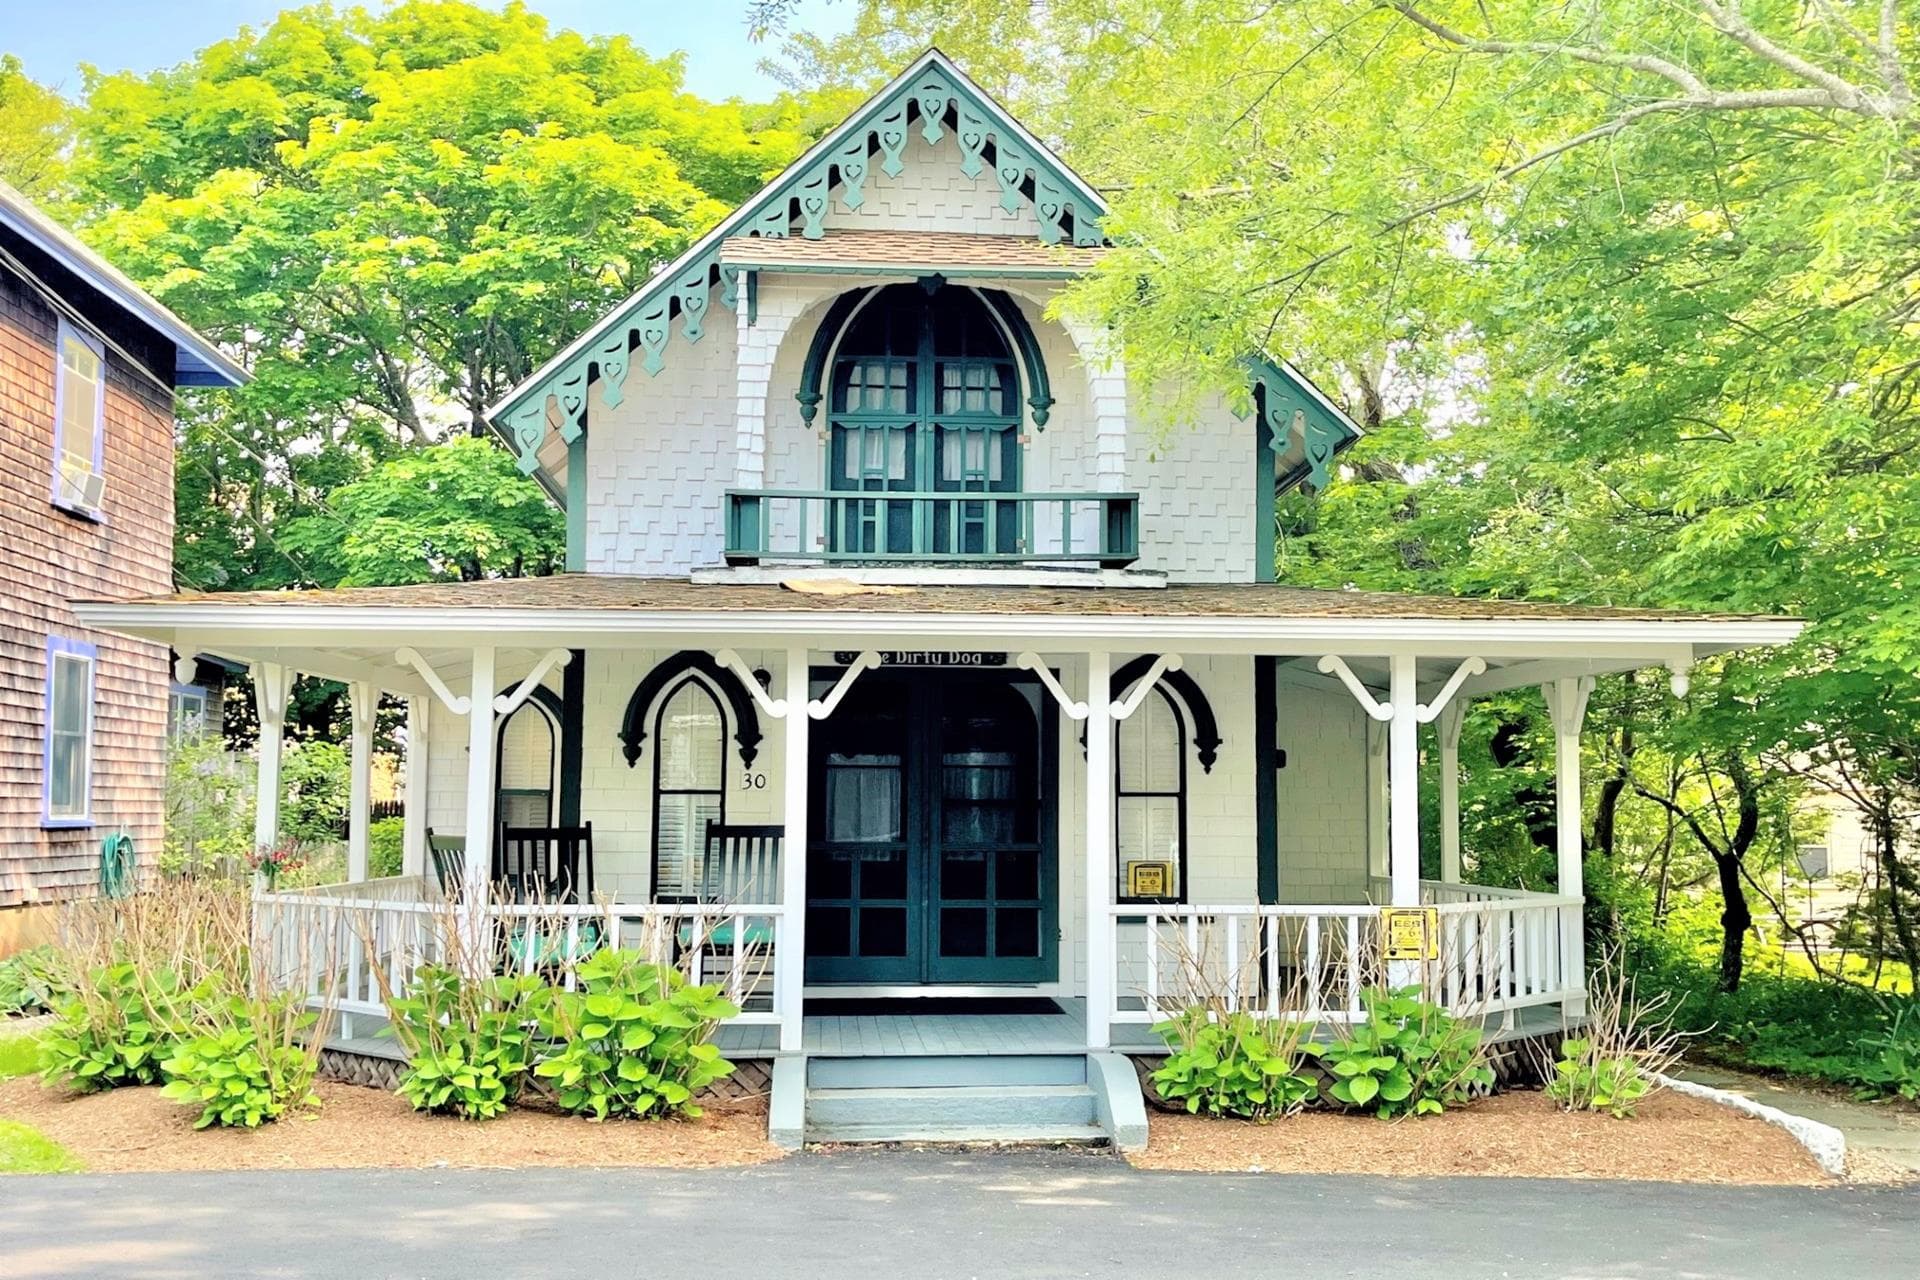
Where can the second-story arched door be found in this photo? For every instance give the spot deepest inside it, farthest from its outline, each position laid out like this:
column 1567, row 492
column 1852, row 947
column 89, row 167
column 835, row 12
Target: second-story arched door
column 924, row 398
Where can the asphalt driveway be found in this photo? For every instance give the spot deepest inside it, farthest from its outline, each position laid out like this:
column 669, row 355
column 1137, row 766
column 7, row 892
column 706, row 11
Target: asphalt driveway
column 931, row 1214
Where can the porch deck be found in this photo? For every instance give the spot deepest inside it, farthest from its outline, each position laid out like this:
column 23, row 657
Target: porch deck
column 907, row 1034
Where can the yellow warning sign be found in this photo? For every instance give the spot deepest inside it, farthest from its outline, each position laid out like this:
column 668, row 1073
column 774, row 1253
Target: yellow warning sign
column 1410, row 933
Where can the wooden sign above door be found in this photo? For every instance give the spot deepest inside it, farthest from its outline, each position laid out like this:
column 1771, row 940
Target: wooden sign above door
column 927, row 658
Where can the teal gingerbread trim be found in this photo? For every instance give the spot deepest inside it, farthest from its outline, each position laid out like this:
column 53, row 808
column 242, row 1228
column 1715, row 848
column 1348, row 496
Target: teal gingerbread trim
column 677, row 299
column 1289, row 405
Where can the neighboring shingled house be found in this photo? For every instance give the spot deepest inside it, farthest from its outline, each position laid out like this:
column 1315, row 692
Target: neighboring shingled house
column 88, row 367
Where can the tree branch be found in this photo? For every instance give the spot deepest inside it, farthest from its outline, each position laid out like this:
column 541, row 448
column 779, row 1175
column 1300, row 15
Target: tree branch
column 1646, row 62
column 1730, row 22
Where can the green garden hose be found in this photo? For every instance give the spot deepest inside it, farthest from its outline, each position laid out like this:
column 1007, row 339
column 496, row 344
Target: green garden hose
column 116, row 865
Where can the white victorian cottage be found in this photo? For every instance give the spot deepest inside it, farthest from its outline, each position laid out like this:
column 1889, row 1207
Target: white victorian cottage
column 958, row 707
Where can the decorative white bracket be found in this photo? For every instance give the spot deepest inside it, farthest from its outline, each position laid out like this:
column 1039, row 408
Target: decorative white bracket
column 1031, row 661
column 456, row 703
column 1334, row 665
column 821, row 708
column 1131, row 703
column 272, row 686
column 1680, row 676
column 775, row 708
column 1427, row 712
column 1568, row 717
column 363, row 700
column 505, row 704
column 1452, row 716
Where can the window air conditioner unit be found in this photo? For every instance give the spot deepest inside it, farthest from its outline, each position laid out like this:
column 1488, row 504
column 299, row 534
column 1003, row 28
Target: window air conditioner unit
column 80, row 485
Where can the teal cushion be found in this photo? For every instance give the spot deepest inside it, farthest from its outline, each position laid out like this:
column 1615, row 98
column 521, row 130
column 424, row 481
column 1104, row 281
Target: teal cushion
column 759, row 933
column 551, row 945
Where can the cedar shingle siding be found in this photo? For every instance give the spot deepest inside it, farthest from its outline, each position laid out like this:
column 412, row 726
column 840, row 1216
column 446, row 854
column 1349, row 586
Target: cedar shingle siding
column 48, row 557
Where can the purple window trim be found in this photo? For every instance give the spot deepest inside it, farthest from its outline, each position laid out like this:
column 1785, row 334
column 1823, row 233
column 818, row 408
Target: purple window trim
column 58, row 645
column 69, row 330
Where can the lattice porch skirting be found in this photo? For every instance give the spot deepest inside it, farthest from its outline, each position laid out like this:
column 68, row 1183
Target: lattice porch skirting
column 751, row 1079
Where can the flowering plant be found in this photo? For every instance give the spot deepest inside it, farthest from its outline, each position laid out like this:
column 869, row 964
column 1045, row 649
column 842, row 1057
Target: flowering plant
column 273, row 863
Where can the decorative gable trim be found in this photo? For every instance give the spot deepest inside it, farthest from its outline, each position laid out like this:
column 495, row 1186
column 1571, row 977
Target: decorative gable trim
column 678, row 297
column 1287, row 404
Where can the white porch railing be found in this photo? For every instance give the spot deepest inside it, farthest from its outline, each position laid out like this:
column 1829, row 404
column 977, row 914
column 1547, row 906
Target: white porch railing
column 340, row 943
column 1499, row 950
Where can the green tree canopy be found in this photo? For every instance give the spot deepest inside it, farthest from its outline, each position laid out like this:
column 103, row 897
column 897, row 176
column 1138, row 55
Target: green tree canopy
column 395, row 215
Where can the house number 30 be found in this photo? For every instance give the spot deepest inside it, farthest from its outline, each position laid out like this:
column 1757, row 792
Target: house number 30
column 756, row 782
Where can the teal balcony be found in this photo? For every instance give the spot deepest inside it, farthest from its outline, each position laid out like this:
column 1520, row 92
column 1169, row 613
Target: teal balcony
column 948, row 527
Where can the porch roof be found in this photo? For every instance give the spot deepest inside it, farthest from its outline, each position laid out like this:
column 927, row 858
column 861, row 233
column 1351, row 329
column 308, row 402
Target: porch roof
column 352, row 633
column 952, row 253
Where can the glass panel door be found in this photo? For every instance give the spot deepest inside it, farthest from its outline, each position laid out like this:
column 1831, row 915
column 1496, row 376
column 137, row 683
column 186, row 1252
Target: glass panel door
column 992, row 917
column 863, row 909
column 932, row 851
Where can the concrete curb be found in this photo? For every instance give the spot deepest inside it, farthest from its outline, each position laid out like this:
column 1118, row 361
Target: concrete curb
column 1118, row 1104
column 1826, row 1144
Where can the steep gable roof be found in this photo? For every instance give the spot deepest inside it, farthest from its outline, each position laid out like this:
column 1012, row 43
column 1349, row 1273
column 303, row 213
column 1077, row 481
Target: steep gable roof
column 932, row 95
column 196, row 362
column 936, row 97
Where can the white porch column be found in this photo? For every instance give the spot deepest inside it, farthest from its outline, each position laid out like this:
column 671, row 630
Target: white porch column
column 413, row 854
column 1100, row 957
column 272, row 683
column 1447, row 729
column 790, row 946
column 1403, row 785
column 476, row 877
column 362, row 701
column 1567, row 703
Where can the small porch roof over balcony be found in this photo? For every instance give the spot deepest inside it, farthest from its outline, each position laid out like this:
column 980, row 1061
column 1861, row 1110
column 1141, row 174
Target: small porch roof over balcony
column 860, row 250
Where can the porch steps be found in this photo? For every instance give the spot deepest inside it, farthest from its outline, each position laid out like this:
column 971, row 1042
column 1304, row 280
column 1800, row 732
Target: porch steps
column 1038, row 1098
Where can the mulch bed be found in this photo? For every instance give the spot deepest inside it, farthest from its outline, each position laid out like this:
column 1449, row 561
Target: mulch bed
column 137, row 1130
column 1518, row 1135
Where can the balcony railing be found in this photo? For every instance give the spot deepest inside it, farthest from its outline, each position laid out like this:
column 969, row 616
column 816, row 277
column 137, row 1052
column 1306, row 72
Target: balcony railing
column 945, row 527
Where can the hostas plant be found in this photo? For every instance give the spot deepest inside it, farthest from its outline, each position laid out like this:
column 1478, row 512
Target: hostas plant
column 115, row 1028
column 634, row 1041
column 1406, row 1057
column 1232, row 1065
column 246, row 1066
column 468, row 1041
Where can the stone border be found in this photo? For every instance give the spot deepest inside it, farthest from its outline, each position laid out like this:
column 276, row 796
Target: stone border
column 1826, row 1144
column 26, row 1026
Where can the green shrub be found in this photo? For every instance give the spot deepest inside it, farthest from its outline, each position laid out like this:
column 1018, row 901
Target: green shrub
column 1893, row 1062
column 467, row 1043
column 209, row 800
column 27, row 981
column 239, row 1072
column 634, row 1041
column 116, row 1029
column 1237, row 1065
column 1584, row 1080
column 1815, row 1028
column 386, row 843
column 314, row 775
column 1406, row 1057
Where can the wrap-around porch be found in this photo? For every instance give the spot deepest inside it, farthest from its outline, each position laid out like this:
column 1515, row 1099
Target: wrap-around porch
column 1118, row 802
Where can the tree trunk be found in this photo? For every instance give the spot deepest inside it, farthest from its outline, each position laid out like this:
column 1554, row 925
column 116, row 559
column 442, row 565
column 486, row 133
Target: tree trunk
column 1735, row 915
column 1735, row 919
column 1508, row 747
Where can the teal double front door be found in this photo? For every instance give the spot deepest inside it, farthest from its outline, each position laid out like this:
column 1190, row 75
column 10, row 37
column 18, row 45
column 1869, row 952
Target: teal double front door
column 931, row 855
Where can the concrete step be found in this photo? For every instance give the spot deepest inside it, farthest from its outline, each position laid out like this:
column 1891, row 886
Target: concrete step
column 972, row 1106
column 945, row 1071
column 1085, row 1135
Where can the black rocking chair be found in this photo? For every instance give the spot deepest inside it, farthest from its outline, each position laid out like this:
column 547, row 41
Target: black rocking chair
column 545, row 864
